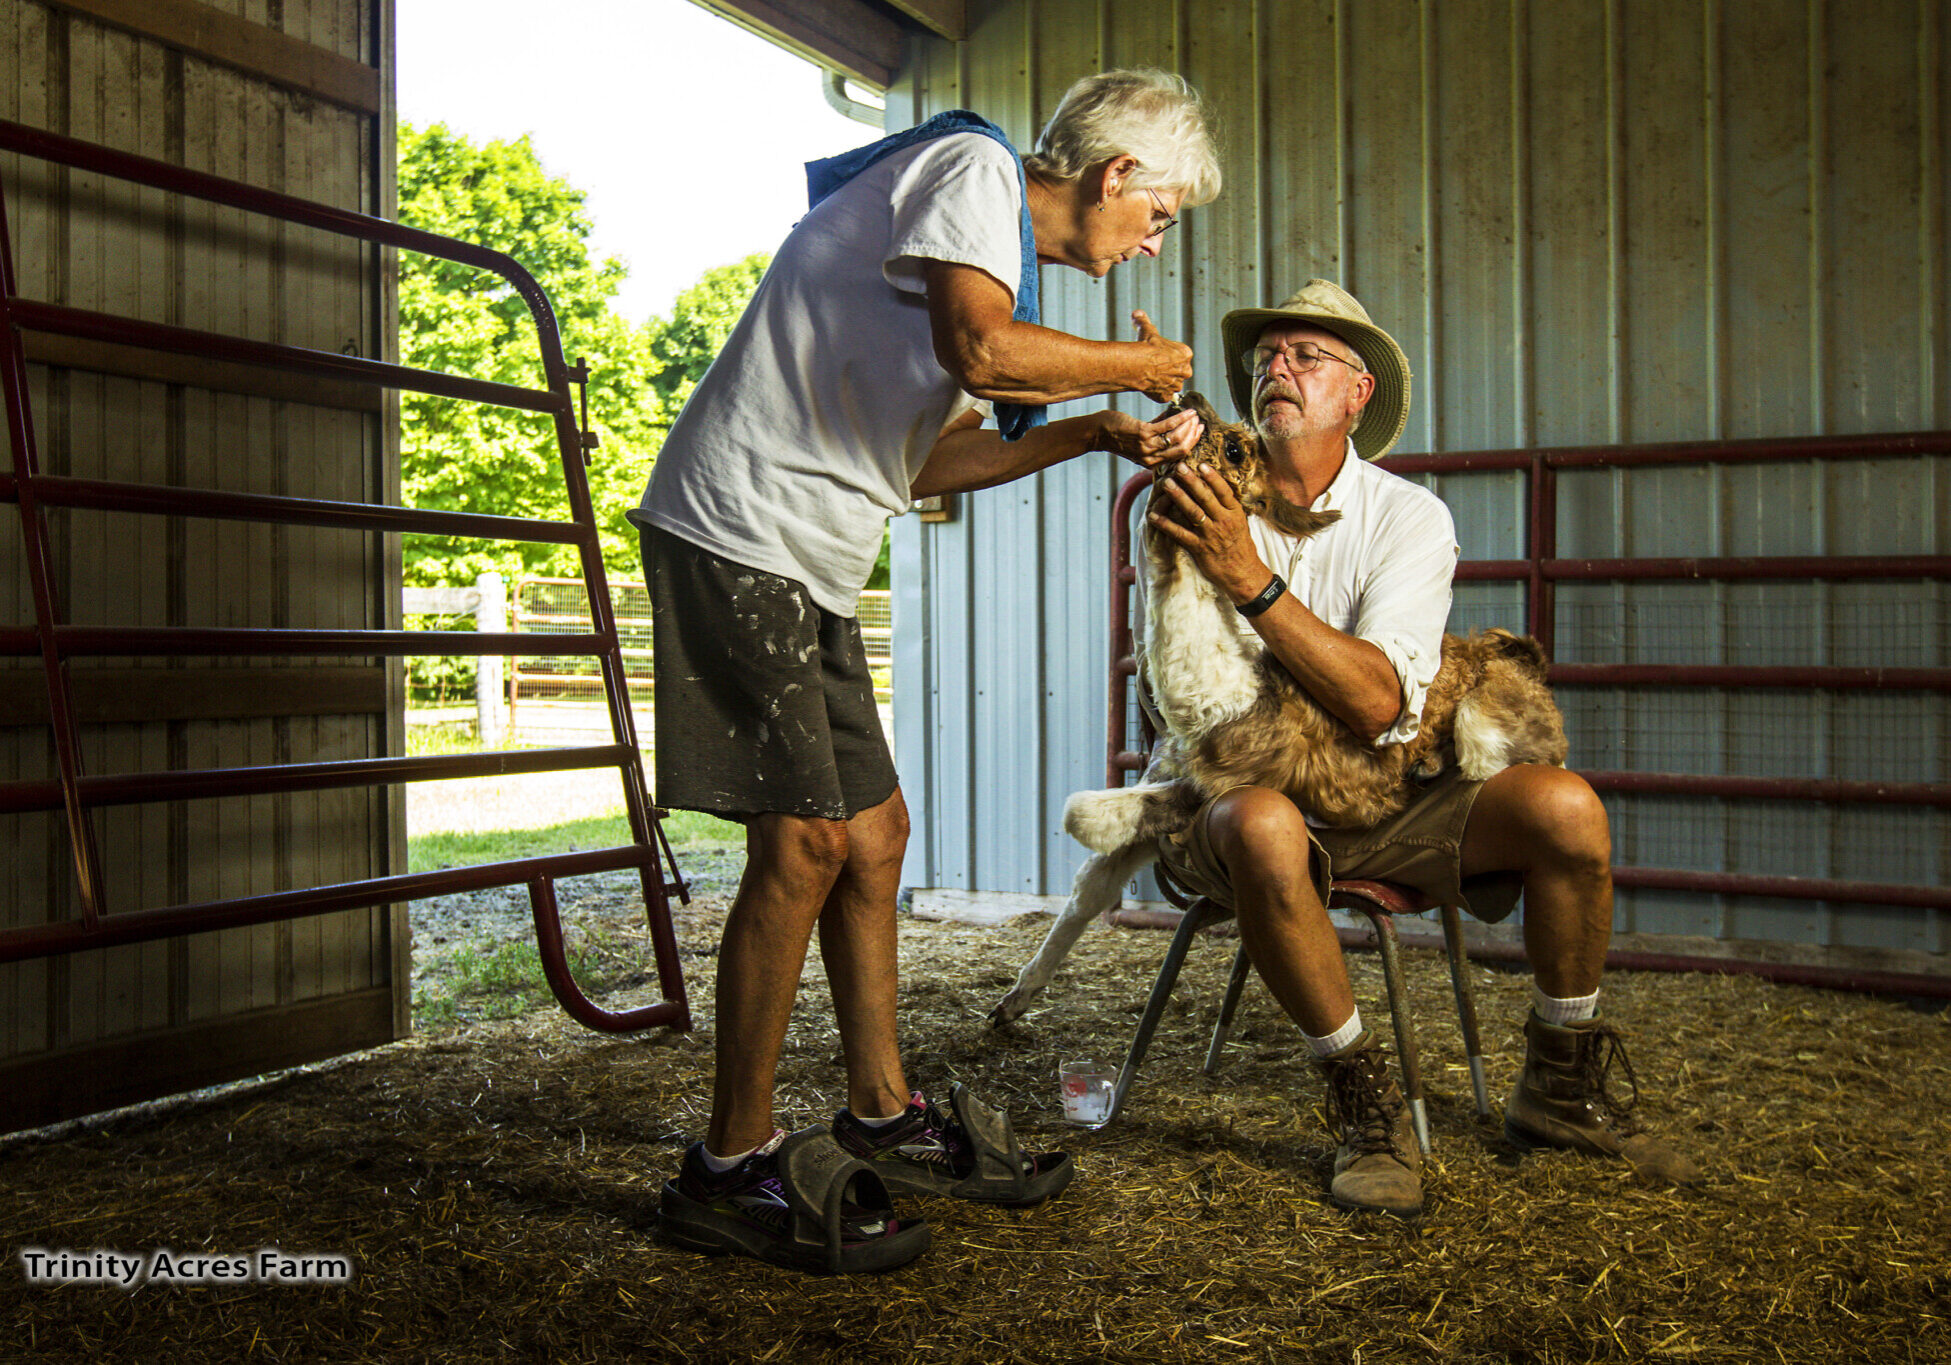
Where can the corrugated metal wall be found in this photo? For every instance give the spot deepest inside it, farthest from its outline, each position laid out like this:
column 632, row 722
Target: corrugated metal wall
column 110, row 1026
column 1586, row 223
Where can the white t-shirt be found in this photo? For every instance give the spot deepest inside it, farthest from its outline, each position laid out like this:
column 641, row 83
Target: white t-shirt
column 1382, row 573
column 806, row 433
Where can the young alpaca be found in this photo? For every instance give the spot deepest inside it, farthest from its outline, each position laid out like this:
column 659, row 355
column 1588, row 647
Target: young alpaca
column 1235, row 717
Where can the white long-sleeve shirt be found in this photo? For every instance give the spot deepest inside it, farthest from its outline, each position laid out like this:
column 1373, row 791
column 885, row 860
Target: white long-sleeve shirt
column 1382, row 573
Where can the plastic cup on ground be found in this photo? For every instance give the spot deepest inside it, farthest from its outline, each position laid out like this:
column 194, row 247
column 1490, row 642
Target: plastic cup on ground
column 1086, row 1092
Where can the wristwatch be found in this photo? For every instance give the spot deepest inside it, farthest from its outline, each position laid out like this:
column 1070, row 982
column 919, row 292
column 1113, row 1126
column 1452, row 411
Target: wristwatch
column 1268, row 596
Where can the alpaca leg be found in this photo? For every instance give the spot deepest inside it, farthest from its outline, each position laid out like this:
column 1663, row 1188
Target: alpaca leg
column 1099, row 884
column 1482, row 745
column 1118, row 817
column 1201, row 673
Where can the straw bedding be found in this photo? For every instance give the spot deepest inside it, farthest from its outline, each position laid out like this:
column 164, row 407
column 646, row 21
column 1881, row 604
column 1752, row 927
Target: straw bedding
column 494, row 1184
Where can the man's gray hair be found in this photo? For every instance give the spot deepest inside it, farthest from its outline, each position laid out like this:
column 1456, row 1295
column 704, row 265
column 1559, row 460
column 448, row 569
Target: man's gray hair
column 1152, row 115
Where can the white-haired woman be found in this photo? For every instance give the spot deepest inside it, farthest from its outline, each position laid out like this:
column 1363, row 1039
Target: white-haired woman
column 898, row 310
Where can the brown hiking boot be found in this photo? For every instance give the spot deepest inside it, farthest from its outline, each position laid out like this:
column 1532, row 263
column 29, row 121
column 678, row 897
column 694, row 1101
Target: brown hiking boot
column 1378, row 1167
column 1561, row 1100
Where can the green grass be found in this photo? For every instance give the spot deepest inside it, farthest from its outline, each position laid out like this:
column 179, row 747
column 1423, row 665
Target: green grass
column 489, row 979
column 685, row 829
column 448, row 737
column 505, row 980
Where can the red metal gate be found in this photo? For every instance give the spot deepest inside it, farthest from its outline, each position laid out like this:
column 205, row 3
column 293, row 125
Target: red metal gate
column 56, row 641
column 1542, row 570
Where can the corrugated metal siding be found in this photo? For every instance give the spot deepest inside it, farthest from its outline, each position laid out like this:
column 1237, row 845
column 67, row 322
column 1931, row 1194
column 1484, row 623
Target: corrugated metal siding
column 1593, row 223
column 114, row 247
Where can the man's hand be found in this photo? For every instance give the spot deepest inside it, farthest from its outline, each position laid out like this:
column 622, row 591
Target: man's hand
column 1169, row 364
column 1209, row 521
column 1150, row 444
column 1348, row 675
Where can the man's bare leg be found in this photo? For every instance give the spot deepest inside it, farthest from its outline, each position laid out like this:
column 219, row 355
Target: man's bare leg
column 791, row 864
column 1550, row 826
column 858, row 947
column 1262, row 838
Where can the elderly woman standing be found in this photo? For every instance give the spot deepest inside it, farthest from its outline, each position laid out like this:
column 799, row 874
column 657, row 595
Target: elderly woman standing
column 898, row 310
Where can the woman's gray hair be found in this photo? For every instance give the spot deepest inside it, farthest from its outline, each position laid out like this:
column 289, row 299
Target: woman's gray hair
column 1152, row 115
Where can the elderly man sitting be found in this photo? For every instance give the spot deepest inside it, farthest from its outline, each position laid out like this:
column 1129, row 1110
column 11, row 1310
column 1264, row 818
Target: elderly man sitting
column 1355, row 614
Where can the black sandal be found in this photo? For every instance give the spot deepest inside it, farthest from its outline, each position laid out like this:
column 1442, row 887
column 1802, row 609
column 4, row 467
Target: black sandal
column 799, row 1202
column 969, row 1153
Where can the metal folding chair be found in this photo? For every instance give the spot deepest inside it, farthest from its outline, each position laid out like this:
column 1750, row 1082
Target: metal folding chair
column 1380, row 902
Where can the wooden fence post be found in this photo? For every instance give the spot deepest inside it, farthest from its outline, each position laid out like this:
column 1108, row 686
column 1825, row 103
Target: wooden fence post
column 490, row 617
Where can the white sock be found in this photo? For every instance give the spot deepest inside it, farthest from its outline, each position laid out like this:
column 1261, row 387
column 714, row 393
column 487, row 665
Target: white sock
column 1334, row 1042
column 1570, row 1011
column 866, row 1122
column 718, row 1165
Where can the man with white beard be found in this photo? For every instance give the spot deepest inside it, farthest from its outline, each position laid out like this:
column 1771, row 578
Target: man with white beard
column 1356, row 613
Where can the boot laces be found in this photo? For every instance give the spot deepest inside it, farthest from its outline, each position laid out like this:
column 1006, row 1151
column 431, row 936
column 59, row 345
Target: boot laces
column 1600, row 1050
column 1364, row 1105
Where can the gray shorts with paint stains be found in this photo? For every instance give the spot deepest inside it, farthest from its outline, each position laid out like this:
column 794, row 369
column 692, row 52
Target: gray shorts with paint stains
column 764, row 702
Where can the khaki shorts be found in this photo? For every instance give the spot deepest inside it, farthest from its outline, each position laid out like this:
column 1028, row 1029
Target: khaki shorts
column 1421, row 847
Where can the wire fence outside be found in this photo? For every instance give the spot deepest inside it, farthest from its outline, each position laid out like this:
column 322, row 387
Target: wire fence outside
column 560, row 606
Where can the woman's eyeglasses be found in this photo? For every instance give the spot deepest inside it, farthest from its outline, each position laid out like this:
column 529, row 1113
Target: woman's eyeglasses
column 1159, row 214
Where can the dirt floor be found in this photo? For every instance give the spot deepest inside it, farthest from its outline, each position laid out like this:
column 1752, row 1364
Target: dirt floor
column 494, row 1185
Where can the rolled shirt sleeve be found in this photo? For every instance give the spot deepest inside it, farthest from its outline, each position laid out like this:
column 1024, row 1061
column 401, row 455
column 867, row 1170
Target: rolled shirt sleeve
column 933, row 218
column 1405, row 602
column 1380, row 573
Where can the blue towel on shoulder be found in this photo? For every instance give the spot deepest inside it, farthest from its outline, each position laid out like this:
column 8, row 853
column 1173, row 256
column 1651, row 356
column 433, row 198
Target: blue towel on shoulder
column 825, row 176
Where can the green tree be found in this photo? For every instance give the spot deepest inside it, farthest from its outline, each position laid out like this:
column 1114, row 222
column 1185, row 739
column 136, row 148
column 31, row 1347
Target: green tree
column 703, row 316
column 471, row 457
column 464, row 456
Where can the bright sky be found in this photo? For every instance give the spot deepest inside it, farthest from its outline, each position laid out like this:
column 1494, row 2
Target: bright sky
column 688, row 134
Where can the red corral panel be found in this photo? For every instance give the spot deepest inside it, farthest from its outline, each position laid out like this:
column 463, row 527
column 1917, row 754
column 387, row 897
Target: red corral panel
column 199, row 882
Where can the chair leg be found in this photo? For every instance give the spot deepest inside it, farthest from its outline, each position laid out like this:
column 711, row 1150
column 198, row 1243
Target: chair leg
column 1405, row 1027
column 1466, row 1004
column 1227, row 1009
column 1201, row 913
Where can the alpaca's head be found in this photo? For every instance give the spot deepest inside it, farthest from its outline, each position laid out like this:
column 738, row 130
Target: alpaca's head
column 1233, row 448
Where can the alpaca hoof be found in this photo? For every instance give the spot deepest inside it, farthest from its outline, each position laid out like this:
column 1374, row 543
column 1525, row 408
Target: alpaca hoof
column 1010, row 1008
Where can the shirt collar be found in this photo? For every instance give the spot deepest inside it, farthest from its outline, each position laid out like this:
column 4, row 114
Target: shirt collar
column 1342, row 489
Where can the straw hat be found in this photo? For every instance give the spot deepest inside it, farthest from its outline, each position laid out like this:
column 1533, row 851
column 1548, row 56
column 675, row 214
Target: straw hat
column 1323, row 303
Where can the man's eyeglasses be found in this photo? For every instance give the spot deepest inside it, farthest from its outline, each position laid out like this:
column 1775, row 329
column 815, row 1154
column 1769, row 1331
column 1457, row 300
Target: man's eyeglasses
column 1158, row 214
column 1301, row 357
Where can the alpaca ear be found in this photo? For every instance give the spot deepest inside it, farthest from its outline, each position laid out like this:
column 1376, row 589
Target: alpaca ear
column 1197, row 402
column 1520, row 649
column 1297, row 521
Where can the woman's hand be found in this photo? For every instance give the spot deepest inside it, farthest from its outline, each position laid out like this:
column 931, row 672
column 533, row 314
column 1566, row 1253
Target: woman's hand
column 1149, row 444
column 1208, row 520
column 1168, row 363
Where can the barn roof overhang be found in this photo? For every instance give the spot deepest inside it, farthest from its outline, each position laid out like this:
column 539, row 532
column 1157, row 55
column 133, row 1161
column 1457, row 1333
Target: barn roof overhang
column 860, row 39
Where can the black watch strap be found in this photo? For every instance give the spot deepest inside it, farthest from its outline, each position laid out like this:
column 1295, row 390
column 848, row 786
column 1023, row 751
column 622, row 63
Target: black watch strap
column 1268, row 596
